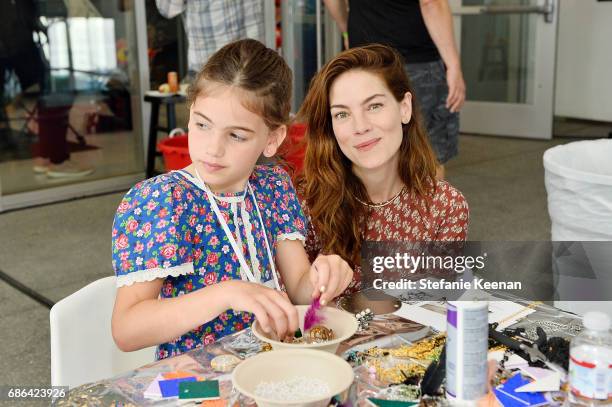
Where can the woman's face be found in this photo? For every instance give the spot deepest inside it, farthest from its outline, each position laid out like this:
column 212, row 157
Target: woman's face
column 367, row 120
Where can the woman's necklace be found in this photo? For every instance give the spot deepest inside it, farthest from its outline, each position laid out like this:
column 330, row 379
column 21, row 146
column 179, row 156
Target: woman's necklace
column 381, row 204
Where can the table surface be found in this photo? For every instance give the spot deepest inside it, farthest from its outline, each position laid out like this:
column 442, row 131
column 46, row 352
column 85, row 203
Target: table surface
column 128, row 388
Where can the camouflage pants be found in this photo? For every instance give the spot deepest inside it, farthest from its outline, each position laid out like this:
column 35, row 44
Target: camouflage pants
column 429, row 82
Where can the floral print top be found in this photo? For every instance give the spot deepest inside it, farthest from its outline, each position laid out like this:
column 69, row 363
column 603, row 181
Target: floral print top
column 165, row 228
column 407, row 219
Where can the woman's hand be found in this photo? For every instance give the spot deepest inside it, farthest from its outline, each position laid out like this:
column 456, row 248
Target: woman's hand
column 329, row 275
column 271, row 308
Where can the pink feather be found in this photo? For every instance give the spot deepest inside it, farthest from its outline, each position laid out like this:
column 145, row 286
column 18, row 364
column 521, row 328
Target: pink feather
column 313, row 315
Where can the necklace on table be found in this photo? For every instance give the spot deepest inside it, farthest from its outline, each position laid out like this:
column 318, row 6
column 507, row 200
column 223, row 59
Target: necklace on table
column 380, row 204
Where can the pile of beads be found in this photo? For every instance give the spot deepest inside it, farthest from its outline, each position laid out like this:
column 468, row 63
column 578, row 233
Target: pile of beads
column 428, row 349
column 363, row 318
column 394, row 373
column 294, row 389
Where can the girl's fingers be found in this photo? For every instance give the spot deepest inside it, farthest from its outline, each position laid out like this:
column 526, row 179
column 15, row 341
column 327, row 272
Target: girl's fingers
column 261, row 315
column 276, row 314
column 290, row 311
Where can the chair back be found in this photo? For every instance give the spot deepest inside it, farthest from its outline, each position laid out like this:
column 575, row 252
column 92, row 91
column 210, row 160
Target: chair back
column 82, row 345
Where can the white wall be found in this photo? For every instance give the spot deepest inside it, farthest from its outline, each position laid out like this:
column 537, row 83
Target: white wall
column 583, row 86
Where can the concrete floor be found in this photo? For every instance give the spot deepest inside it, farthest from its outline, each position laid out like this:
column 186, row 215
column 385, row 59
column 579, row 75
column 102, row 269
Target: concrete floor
column 57, row 249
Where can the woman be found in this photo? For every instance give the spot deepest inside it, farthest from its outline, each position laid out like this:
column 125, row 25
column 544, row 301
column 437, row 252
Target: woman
column 369, row 171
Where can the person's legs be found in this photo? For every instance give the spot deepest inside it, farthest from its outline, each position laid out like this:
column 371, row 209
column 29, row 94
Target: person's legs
column 429, row 82
column 52, row 128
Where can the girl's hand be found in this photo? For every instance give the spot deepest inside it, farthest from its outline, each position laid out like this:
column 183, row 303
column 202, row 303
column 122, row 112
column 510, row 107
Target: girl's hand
column 329, row 275
column 272, row 308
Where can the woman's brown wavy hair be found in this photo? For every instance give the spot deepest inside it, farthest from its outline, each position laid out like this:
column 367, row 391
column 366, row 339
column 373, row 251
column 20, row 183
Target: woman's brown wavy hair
column 328, row 184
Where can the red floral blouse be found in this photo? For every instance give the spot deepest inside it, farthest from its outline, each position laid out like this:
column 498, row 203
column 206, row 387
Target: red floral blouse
column 407, row 219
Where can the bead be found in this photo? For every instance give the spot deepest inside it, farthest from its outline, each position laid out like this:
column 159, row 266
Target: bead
column 320, row 333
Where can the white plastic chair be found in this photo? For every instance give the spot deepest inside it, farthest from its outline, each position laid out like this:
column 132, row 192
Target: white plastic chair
column 82, row 346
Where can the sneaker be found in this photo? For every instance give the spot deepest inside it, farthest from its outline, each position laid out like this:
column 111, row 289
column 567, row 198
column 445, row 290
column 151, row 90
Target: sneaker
column 41, row 165
column 68, row 169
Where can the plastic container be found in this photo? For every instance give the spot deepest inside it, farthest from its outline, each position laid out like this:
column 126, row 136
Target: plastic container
column 175, row 150
column 590, row 370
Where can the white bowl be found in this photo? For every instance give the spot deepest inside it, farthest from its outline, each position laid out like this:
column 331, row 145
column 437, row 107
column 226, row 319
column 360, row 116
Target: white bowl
column 280, row 365
column 341, row 322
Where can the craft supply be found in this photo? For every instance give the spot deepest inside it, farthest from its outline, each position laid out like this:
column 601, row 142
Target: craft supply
column 401, row 392
column 199, row 391
column 466, row 350
column 428, row 349
column 543, row 380
column 153, row 392
column 215, row 403
column 224, row 363
column 170, row 388
column 434, row 376
column 313, row 315
column 507, row 395
column 394, row 373
column 590, row 374
column 320, row 333
column 391, row 403
column 363, row 318
column 296, row 388
column 557, row 350
column 176, row 375
column 532, row 351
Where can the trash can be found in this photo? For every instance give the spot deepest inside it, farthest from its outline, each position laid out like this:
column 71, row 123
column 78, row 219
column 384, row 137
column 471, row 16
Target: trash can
column 578, row 180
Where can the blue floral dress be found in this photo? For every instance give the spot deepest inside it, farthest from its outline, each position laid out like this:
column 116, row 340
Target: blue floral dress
column 165, row 228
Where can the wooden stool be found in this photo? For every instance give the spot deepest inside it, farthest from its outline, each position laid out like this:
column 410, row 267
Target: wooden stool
column 156, row 99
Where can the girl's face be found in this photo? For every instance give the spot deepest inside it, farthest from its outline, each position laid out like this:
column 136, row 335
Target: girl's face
column 367, row 120
column 226, row 139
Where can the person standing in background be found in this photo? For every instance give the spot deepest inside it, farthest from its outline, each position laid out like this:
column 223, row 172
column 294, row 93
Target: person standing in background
column 422, row 31
column 211, row 24
column 19, row 53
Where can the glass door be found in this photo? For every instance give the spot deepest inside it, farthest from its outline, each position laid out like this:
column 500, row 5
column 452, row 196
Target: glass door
column 308, row 38
column 508, row 60
column 71, row 84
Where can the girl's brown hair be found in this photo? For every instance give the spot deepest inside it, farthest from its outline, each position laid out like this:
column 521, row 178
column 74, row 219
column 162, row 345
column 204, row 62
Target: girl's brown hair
column 328, row 184
column 250, row 66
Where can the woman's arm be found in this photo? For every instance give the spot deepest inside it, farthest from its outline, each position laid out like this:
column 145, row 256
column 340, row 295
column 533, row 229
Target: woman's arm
column 141, row 319
column 439, row 22
column 328, row 276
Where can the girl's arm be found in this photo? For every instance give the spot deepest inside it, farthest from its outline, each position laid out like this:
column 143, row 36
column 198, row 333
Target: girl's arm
column 328, row 276
column 141, row 319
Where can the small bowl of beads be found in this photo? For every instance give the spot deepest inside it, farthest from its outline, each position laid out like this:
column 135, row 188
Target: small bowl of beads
column 337, row 326
column 293, row 378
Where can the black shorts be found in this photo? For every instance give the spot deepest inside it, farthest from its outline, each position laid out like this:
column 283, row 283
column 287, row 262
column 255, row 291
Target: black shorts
column 429, row 82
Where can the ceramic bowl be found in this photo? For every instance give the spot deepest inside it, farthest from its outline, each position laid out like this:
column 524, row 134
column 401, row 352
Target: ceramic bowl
column 341, row 322
column 281, row 365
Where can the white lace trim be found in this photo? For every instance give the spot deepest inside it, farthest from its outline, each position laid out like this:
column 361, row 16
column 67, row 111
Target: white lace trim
column 246, row 218
column 291, row 236
column 152, row 274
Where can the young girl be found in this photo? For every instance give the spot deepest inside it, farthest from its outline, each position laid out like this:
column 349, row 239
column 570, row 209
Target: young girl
column 193, row 248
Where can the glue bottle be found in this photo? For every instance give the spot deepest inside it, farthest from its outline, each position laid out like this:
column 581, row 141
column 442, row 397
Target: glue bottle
column 590, row 368
column 467, row 336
